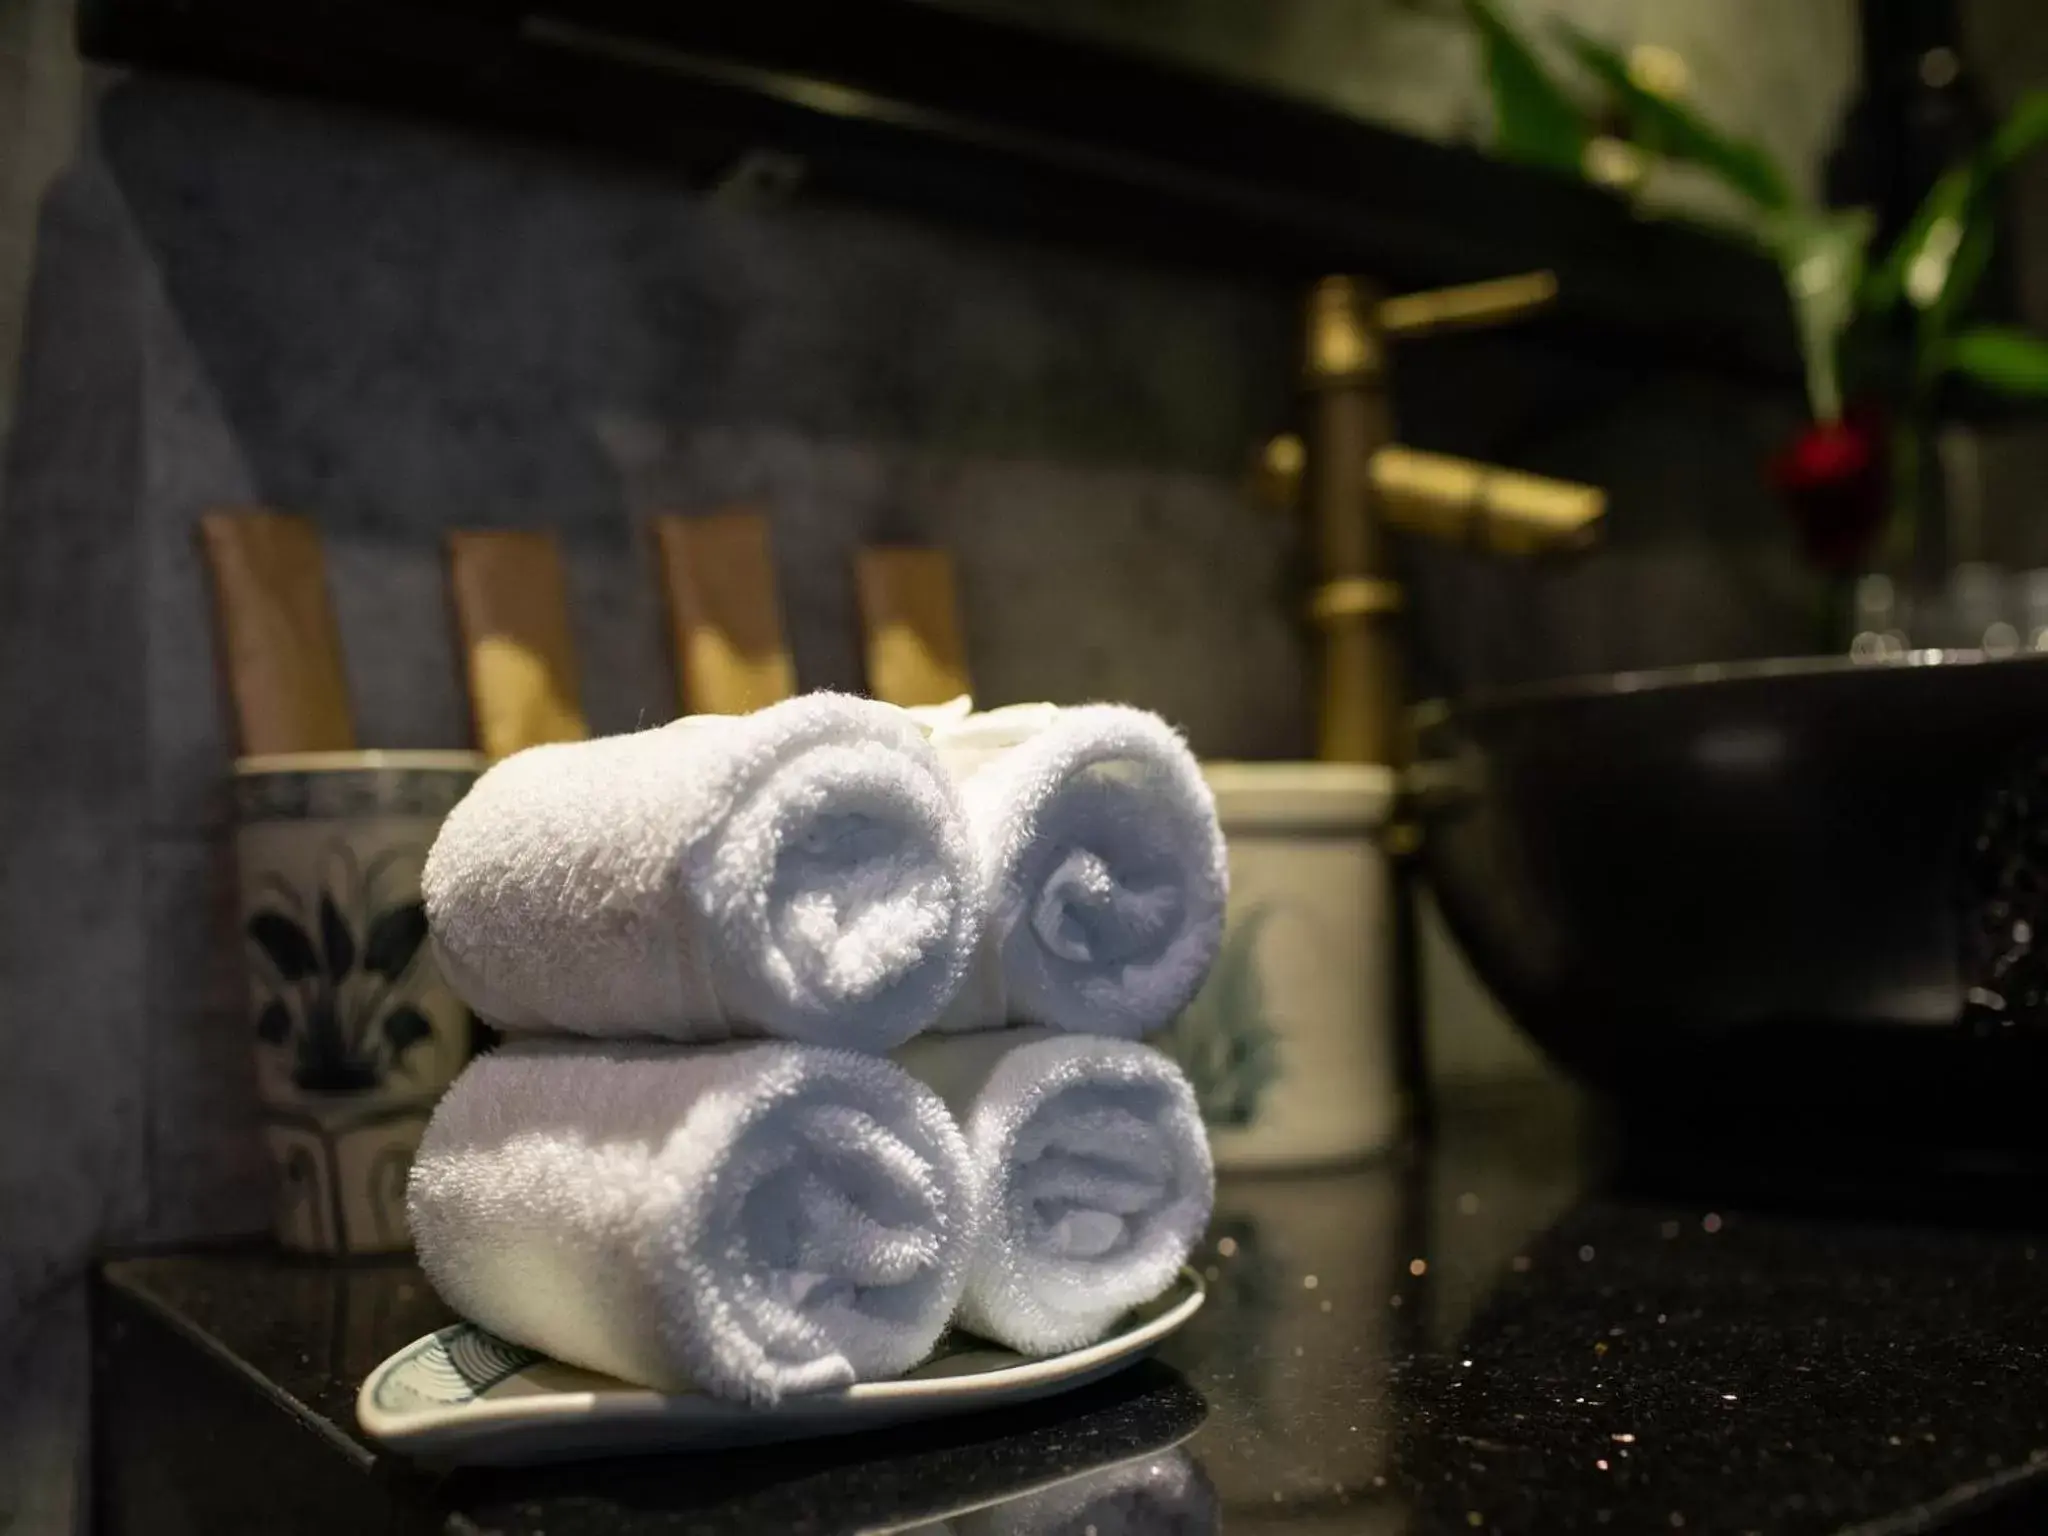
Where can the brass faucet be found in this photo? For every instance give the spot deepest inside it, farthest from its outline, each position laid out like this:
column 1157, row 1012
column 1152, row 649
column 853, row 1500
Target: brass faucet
column 1361, row 485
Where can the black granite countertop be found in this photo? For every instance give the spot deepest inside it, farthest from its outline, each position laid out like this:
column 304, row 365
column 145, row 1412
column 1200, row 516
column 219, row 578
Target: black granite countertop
column 1493, row 1334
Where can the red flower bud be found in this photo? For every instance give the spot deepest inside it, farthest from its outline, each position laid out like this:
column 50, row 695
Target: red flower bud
column 1832, row 479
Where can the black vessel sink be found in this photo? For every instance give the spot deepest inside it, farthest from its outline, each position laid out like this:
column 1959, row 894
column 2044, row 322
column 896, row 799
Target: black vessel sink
column 1810, row 886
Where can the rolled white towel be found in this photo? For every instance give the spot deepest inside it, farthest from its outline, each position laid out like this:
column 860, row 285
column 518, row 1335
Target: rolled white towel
column 1103, row 862
column 1095, row 1174
column 752, row 1221
column 805, row 872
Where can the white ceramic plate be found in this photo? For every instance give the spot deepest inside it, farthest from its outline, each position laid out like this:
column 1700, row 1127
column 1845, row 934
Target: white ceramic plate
column 464, row 1396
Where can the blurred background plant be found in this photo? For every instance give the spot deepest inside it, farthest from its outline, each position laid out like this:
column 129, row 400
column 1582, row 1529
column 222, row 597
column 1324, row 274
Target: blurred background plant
column 1885, row 330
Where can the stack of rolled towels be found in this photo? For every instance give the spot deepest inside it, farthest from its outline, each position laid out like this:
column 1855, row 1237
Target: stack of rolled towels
column 823, row 1033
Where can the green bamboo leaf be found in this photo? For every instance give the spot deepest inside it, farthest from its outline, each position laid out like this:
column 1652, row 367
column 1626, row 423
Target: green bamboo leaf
column 2024, row 130
column 2008, row 360
column 1928, row 243
column 1678, row 132
column 1963, row 271
column 1534, row 119
column 1822, row 254
column 1941, row 253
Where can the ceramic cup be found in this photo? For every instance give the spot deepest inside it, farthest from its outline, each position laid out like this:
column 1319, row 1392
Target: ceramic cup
column 356, row 1035
column 1290, row 1044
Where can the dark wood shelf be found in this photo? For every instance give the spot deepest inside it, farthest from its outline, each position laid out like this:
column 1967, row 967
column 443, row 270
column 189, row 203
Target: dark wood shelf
column 1003, row 128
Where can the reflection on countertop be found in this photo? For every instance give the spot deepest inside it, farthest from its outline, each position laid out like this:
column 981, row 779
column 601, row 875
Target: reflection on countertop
column 1485, row 1335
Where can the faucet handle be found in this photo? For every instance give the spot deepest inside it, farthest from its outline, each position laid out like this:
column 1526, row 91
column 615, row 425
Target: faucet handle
column 1501, row 511
column 1468, row 306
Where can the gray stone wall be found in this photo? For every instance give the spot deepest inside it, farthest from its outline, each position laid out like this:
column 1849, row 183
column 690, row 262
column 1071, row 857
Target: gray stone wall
column 402, row 329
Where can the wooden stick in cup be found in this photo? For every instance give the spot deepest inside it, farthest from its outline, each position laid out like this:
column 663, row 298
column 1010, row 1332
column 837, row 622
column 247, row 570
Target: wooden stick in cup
column 911, row 618
column 280, row 650
column 512, row 612
column 718, row 574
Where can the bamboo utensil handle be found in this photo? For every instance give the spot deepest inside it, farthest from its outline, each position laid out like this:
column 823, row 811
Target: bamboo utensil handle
column 280, row 650
column 512, row 613
column 725, row 621
column 911, row 617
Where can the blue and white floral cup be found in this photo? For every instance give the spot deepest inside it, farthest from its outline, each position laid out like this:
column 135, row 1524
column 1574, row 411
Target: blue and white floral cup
column 356, row 1035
